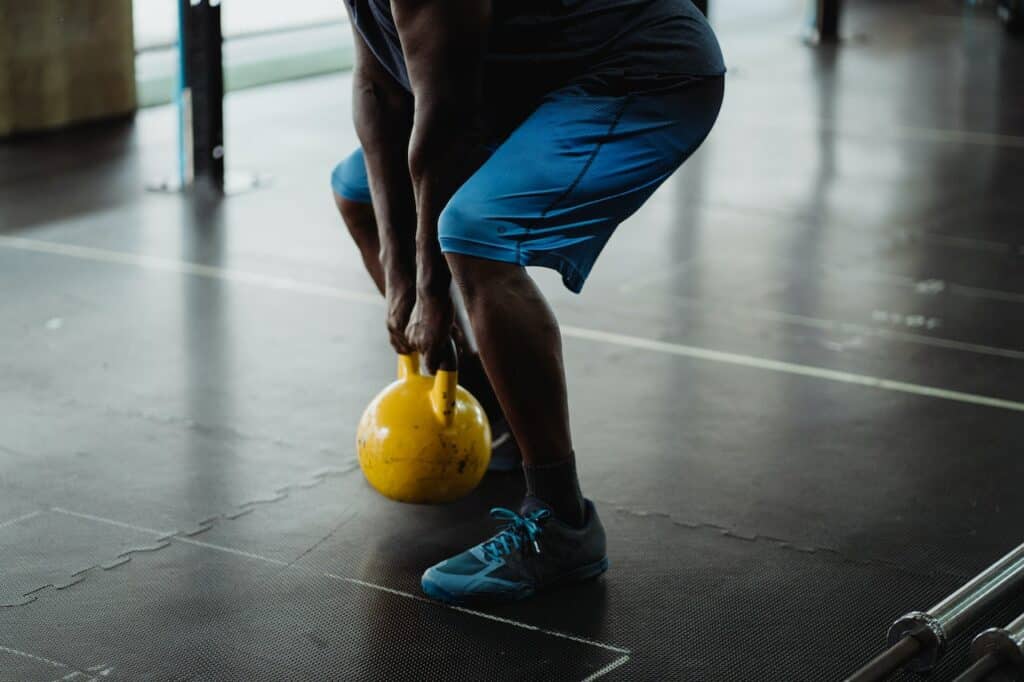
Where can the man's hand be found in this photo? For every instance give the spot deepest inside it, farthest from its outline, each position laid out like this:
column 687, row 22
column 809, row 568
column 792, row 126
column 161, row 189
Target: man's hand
column 430, row 327
column 400, row 293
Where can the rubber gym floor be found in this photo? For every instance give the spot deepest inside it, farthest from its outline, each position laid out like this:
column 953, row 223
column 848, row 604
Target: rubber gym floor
column 796, row 376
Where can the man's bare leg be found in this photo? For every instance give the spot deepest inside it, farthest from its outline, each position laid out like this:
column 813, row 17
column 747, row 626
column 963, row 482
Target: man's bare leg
column 362, row 225
column 521, row 348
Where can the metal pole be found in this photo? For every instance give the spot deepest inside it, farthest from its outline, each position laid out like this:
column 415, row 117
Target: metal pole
column 182, row 104
column 982, row 668
column 204, row 77
column 823, row 24
column 949, row 617
column 1005, row 645
column 932, row 629
column 887, row 662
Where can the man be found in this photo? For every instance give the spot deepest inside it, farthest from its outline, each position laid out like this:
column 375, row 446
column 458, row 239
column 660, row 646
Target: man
column 498, row 134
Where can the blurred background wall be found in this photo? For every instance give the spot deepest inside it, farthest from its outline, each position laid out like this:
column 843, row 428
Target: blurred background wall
column 65, row 61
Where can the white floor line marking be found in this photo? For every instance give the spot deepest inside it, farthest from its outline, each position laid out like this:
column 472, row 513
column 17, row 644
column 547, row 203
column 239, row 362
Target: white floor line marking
column 788, row 368
column 32, row 657
column 966, row 136
column 993, row 294
column 939, row 342
column 624, row 340
column 185, row 268
column 843, row 327
column 983, row 245
column 229, row 550
column 895, row 132
column 173, row 538
column 479, row 614
column 902, row 232
column 23, row 517
column 109, row 522
column 355, row 581
column 607, row 669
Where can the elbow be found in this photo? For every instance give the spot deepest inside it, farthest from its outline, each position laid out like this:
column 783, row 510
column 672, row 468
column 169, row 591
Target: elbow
column 421, row 158
column 425, row 149
column 425, row 140
column 379, row 110
column 441, row 135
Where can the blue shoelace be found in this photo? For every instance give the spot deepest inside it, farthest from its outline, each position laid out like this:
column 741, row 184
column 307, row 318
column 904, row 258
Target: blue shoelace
column 518, row 531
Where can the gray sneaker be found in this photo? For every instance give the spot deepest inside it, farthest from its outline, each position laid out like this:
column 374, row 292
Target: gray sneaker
column 533, row 552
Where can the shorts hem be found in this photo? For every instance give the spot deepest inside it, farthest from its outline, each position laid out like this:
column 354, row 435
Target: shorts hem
column 572, row 278
column 354, row 197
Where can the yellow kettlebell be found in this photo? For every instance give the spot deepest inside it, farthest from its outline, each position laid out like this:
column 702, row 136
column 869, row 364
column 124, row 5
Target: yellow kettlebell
column 424, row 439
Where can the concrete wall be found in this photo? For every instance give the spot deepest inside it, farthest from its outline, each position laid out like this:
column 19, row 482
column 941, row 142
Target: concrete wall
column 64, row 61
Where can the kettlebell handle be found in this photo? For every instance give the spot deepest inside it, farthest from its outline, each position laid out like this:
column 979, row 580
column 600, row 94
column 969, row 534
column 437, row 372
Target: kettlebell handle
column 442, row 395
column 408, row 365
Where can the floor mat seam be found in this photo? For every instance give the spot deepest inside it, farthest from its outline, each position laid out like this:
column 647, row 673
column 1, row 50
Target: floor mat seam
column 164, row 540
column 781, row 543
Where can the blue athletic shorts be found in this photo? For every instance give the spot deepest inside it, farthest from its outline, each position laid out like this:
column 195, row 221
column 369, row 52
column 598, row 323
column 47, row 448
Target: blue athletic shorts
column 555, row 189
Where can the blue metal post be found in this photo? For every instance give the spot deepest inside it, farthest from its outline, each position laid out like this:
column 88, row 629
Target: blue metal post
column 180, row 87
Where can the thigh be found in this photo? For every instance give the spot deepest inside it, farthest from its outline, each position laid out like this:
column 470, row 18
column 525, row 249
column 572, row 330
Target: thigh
column 555, row 190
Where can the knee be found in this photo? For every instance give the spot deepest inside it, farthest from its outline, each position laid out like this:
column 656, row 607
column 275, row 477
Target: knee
column 353, row 212
column 469, row 221
column 459, row 222
column 358, row 217
column 458, row 218
column 481, row 279
column 468, row 275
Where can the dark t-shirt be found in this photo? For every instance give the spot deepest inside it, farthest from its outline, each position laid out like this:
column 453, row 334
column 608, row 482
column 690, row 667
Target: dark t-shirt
column 537, row 46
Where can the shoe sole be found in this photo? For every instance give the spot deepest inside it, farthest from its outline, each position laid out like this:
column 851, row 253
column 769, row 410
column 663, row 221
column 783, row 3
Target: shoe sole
column 576, row 575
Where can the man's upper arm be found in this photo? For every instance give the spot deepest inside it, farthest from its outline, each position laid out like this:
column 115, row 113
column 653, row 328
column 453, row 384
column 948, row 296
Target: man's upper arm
column 378, row 95
column 443, row 43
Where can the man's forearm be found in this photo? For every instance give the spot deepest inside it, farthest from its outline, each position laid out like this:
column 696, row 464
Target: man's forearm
column 443, row 43
column 383, row 121
column 445, row 150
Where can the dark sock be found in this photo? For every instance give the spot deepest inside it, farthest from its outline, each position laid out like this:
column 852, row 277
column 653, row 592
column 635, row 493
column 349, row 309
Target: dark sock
column 556, row 485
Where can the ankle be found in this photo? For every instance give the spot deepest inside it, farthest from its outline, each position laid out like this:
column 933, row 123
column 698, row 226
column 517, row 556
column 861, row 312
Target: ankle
column 556, row 484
